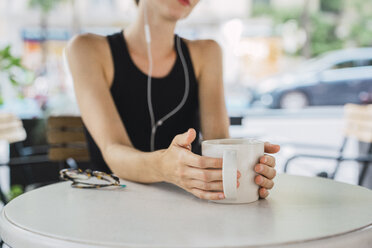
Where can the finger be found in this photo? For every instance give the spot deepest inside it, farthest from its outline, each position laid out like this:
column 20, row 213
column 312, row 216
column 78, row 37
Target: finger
column 268, row 160
column 265, row 170
column 211, row 186
column 189, row 147
column 271, row 148
column 194, row 160
column 207, row 195
column 264, row 182
column 185, row 139
column 263, row 193
column 205, row 175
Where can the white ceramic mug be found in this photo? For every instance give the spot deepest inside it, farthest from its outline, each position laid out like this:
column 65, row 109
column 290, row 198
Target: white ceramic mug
column 237, row 154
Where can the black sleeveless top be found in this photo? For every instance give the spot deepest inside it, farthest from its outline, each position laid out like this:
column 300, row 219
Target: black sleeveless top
column 129, row 92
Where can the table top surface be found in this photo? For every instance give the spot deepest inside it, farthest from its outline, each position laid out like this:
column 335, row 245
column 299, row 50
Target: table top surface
column 162, row 215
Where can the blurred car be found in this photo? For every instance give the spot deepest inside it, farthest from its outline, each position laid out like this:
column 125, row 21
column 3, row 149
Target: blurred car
column 335, row 78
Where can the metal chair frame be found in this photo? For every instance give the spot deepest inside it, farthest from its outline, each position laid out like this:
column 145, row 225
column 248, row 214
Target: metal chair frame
column 365, row 160
column 358, row 120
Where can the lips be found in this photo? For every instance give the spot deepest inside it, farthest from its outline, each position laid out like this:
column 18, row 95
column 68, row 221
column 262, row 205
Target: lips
column 184, row 2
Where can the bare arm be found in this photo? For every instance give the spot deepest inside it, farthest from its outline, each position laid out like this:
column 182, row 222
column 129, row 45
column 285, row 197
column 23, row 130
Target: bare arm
column 100, row 115
column 214, row 118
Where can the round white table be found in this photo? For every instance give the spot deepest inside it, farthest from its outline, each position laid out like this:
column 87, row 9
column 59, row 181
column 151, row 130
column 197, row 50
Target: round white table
column 300, row 212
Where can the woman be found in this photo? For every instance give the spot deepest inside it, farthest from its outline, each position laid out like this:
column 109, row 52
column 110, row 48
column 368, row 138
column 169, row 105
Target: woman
column 110, row 75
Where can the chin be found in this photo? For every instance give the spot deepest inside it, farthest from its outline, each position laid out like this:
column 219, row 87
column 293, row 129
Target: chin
column 175, row 16
column 173, row 10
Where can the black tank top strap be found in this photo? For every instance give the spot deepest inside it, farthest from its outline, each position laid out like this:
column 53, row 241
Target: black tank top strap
column 119, row 53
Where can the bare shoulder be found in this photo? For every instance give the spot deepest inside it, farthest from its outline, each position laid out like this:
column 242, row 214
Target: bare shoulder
column 204, row 53
column 92, row 44
column 204, row 47
column 90, row 52
column 203, row 44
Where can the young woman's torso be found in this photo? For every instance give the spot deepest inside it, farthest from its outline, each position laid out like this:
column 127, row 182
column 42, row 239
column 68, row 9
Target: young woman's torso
column 125, row 71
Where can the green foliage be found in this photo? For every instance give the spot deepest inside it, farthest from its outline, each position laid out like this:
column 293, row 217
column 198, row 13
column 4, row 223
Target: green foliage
column 44, row 5
column 361, row 28
column 277, row 15
column 323, row 35
column 15, row 190
column 10, row 63
column 324, row 23
column 322, row 29
column 334, row 6
column 12, row 68
column 7, row 60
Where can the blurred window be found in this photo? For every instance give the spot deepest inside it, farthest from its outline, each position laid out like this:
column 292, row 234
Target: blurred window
column 345, row 64
column 367, row 62
column 353, row 63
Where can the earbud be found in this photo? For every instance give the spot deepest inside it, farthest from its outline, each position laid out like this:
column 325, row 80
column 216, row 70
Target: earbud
column 147, row 27
column 147, row 34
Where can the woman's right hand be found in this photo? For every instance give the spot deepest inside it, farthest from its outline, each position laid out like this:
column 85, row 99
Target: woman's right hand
column 199, row 175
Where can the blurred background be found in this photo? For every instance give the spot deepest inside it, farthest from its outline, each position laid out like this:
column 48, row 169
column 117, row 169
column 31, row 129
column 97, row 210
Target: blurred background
column 289, row 69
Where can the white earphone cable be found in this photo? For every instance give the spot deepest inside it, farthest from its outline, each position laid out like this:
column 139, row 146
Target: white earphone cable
column 187, row 82
column 149, row 56
column 154, row 125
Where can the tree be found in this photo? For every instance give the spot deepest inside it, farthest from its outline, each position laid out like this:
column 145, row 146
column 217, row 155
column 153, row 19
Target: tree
column 45, row 7
column 361, row 27
column 320, row 27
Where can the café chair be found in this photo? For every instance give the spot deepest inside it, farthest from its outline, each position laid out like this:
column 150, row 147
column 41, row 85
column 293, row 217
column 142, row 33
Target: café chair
column 66, row 138
column 357, row 125
column 67, row 144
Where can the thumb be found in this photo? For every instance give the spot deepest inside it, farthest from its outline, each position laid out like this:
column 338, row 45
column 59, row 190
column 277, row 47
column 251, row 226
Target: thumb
column 185, row 139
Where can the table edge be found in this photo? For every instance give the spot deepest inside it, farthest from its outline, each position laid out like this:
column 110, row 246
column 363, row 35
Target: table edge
column 44, row 241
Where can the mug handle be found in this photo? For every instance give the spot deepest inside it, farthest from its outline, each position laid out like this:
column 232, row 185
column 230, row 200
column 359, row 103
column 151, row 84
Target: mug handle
column 229, row 174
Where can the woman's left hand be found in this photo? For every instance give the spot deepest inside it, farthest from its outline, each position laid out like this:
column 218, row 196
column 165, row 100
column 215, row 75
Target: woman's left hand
column 266, row 170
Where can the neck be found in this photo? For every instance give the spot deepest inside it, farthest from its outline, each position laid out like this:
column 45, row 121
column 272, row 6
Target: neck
column 162, row 33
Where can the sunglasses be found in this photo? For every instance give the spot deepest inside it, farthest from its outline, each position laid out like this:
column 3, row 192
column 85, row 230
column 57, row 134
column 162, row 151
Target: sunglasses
column 89, row 179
